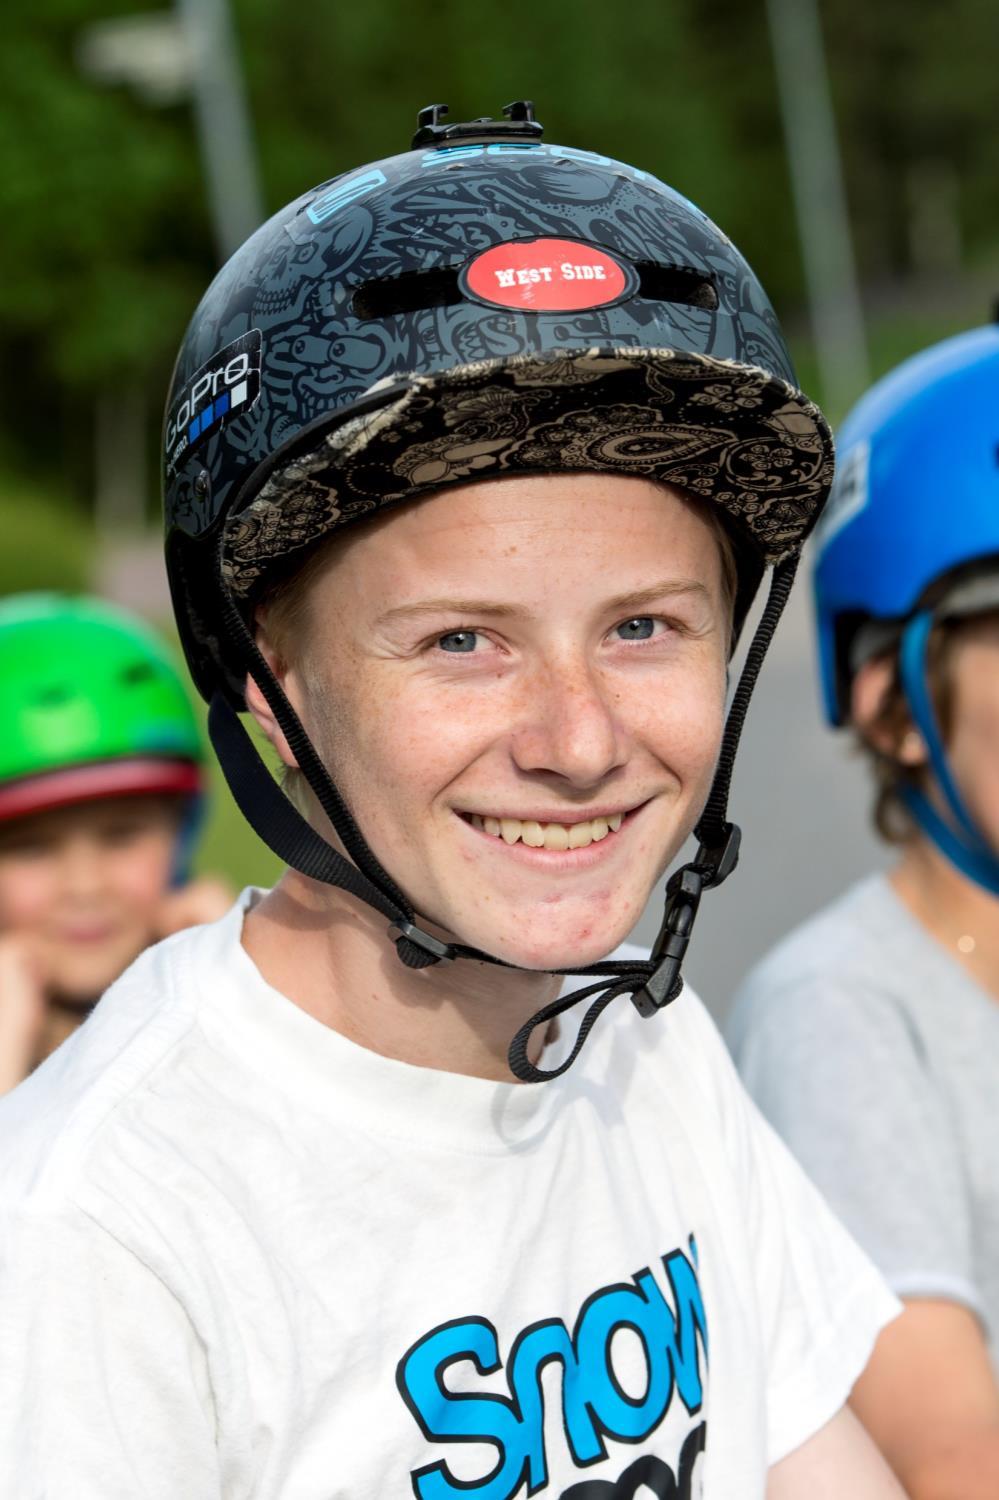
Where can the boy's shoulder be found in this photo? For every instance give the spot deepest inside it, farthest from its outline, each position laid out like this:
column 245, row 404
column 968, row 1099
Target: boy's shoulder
column 147, row 1079
column 859, row 963
column 66, row 1113
column 857, row 931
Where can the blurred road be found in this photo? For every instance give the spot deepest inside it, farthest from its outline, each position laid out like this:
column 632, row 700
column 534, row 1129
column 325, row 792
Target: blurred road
column 800, row 797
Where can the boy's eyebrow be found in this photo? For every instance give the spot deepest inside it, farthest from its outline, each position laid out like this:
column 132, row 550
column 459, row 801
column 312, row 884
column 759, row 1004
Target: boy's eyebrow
column 446, row 606
column 480, row 607
column 664, row 590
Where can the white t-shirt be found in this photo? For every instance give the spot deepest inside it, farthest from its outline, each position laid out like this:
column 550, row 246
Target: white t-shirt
column 244, row 1257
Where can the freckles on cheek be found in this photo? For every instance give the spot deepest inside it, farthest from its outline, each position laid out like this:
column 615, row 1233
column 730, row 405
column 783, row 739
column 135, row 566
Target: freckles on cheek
column 405, row 735
column 391, row 757
column 684, row 731
column 433, row 736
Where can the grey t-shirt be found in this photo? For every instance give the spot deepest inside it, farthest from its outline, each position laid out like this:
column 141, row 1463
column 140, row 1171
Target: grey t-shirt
column 876, row 1056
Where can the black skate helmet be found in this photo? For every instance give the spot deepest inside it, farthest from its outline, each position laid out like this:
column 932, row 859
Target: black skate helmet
column 481, row 305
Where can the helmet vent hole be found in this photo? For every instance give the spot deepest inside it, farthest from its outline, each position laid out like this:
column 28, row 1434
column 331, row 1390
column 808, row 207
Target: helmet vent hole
column 137, row 673
column 410, row 292
column 679, row 284
column 54, row 697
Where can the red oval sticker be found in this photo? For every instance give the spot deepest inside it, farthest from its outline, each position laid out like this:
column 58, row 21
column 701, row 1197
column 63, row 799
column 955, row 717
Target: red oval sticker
column 546, row 276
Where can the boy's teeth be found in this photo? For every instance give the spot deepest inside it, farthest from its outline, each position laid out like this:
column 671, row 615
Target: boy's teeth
column 557, row 836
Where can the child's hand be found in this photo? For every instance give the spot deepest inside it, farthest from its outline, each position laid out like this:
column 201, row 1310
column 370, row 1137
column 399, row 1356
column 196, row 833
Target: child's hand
column 22, row 1011
column 200, row 901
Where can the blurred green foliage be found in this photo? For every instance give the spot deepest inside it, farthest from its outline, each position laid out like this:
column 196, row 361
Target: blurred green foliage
column 43, row 544
column 228, row 846
column 106, row 229
column 108, row 240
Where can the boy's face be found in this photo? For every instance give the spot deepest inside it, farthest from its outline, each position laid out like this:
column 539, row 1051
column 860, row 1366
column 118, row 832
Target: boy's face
column 525, row 661
column 82, row 886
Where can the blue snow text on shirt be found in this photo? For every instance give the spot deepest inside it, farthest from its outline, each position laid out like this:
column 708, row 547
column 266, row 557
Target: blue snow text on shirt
column 673, row 1335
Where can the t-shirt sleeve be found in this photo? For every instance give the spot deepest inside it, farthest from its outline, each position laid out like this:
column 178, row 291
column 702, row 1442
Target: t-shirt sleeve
column 104, row 1393
column 842, row 1075
column 820, row 1303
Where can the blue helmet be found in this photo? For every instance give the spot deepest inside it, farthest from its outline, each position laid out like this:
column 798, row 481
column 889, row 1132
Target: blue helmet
column 910, row 536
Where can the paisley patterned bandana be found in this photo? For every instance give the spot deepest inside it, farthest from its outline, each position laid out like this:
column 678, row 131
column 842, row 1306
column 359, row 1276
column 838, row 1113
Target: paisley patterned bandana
column 726, row 431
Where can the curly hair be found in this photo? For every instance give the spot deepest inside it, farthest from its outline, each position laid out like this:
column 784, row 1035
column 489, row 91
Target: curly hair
column 893, row 720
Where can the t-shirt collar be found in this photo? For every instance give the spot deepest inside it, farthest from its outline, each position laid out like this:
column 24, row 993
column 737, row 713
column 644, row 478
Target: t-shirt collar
column 330, row 1074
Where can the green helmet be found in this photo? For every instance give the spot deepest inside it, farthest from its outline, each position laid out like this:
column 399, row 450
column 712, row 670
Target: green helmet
column 90, row 706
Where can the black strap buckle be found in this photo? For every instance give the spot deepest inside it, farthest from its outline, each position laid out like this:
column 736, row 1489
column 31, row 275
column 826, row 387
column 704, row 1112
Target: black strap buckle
column 407, row 932
column 711, row 865
column 717, row 861
column 683, row 897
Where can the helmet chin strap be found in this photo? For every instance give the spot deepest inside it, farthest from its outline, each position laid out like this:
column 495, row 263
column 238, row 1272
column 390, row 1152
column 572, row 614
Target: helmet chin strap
column 960, row 842
column 652, row 983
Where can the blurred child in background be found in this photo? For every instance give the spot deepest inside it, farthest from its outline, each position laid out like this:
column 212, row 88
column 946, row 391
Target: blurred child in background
column 100, row 803
column 871, row 1035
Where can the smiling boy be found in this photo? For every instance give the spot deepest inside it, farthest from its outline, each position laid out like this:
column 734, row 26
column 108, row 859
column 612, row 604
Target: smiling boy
column 300, row 1232
column 495, row 736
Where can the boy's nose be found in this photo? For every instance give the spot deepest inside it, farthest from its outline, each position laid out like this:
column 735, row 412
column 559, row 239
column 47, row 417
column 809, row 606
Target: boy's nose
column 569, row 726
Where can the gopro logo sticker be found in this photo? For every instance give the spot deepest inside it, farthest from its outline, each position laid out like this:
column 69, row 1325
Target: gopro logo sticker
column 229, row 383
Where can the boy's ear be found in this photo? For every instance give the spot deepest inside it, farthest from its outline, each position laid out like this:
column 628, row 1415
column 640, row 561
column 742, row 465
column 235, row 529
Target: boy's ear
column 257, row 703
column 870, row 688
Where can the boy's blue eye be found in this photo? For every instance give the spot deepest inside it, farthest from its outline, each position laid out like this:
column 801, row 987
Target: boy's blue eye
column 638, row 629
column 458, row 640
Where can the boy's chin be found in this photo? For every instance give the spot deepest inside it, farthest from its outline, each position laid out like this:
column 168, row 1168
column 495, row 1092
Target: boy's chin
column 546, row 951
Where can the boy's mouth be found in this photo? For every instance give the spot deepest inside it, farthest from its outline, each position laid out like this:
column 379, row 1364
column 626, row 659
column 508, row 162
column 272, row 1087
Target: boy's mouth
column 555, row 836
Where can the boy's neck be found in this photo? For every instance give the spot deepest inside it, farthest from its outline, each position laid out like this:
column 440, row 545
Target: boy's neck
column 960, row 915
column 332, row 957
